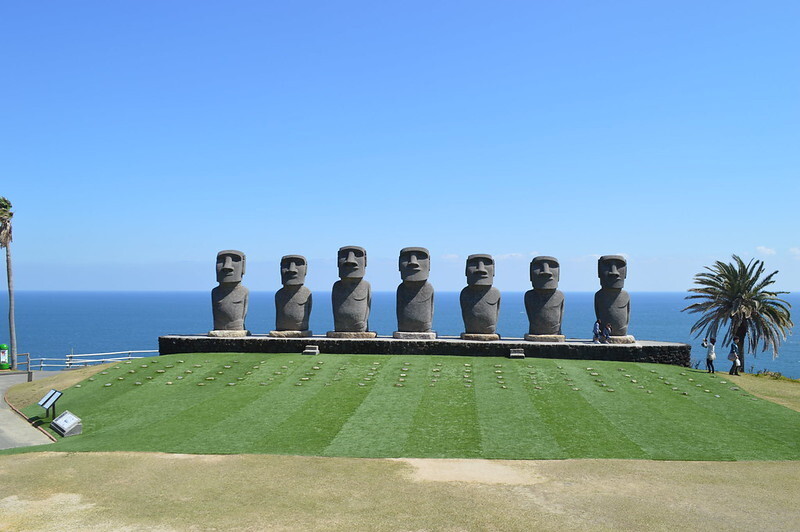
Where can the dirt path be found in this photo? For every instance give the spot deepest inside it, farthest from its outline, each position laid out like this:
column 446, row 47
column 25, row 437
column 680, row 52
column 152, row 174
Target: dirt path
column 133, row 491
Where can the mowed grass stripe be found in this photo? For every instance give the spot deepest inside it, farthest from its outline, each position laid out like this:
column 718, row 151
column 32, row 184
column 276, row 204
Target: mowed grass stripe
column 199, row 422
column 380, row 426
column 695, row 426
column 580, row 429
column 140, row 428
column 662, row 434
column 185, row 409
column 254, row 407
column 756, row 429
column 716, row 423
column 113, row 397
column 106, row 427
column 510, row 426
column 446, row 421
column 311, row 428
column 192, row 428
column 280, row 400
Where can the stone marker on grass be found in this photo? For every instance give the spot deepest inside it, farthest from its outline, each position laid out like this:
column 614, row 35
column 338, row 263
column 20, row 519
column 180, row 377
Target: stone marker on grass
column 293, row 301
column 480, row 301
column 351, row 296
column 229, row 298
column 414, row 295
column 545, row 303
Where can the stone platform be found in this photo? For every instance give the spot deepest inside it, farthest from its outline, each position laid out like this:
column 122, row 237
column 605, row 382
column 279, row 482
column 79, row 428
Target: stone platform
column 578, row 349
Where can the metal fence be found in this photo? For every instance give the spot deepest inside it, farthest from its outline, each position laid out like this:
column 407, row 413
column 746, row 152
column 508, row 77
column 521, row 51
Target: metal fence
column 72, row 360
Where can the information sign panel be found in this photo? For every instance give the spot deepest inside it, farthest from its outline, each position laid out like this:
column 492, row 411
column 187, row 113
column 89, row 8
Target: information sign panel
column 50, row 399
column 67, row 424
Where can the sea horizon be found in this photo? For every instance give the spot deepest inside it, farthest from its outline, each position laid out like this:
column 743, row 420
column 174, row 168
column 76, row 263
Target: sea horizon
column 53, row 323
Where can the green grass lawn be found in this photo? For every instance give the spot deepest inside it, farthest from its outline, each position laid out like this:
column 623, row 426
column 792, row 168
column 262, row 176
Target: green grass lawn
column 423, row 406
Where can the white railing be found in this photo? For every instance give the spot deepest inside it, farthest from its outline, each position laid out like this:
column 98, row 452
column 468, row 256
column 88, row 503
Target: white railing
column 74, row 361
column 23, row 359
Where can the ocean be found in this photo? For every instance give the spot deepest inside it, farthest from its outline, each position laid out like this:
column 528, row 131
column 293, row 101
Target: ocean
column 53, row 324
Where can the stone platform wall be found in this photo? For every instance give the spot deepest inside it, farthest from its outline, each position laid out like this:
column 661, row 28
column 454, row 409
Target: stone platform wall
column 645, row 351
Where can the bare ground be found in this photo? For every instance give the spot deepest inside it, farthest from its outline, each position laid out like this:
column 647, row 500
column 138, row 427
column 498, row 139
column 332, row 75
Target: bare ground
column 136, row 491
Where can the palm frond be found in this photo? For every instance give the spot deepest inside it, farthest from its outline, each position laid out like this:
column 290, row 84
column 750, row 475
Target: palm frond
column 735, row 296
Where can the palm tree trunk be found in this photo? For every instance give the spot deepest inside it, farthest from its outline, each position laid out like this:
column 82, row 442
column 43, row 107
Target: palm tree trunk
column 741, row 332
column 12, row 330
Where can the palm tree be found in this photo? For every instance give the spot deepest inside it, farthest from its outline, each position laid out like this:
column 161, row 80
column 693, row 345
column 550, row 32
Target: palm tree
column 5, row 242
column 735, row 295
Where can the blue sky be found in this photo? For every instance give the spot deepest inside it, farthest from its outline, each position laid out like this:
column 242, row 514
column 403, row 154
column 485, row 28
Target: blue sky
column 139, row 138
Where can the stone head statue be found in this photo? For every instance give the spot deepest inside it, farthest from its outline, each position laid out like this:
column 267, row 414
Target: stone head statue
column 414, row 264
column 612, row 270
column 352, row 262
column 480, row 270
column 545, row 303
column 229, row 298
column 545, row 272
column 293, row 270
column 230, row 266
column 293, row 301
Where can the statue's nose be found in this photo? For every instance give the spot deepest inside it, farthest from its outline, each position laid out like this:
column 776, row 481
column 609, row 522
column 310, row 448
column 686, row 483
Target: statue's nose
column 351, row 259
column 412, row 261
column 292, row 267
column 545, row 269
column 228, row 264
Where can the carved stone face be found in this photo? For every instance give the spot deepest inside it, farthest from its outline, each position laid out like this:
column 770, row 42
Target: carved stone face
column 293, row 270
column 480, row 270
column 545, row 272
column 352, row 262
column 230, row 266
column 415, row 264
column 612, row 270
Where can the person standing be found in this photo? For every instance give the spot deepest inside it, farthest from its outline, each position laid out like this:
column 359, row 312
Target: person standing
column 710, row 354
column 597, row 331
column 733, row 356
column 606, row 333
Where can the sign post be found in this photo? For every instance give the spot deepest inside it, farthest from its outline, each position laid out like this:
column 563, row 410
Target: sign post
column 49, row 401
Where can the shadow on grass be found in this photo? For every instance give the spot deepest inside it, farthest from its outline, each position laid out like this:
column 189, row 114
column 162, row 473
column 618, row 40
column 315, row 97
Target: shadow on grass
column 38, row 421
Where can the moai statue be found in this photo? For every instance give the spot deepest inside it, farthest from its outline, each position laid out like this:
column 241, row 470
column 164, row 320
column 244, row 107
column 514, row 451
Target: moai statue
column 612, row 304
column 480, row 301
column 351, row 296
column 229, row 299
column 414, row 295
column 545, row 303
column 293, row 301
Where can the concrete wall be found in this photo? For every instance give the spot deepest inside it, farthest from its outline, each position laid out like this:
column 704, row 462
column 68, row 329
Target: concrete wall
column 657, row 352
